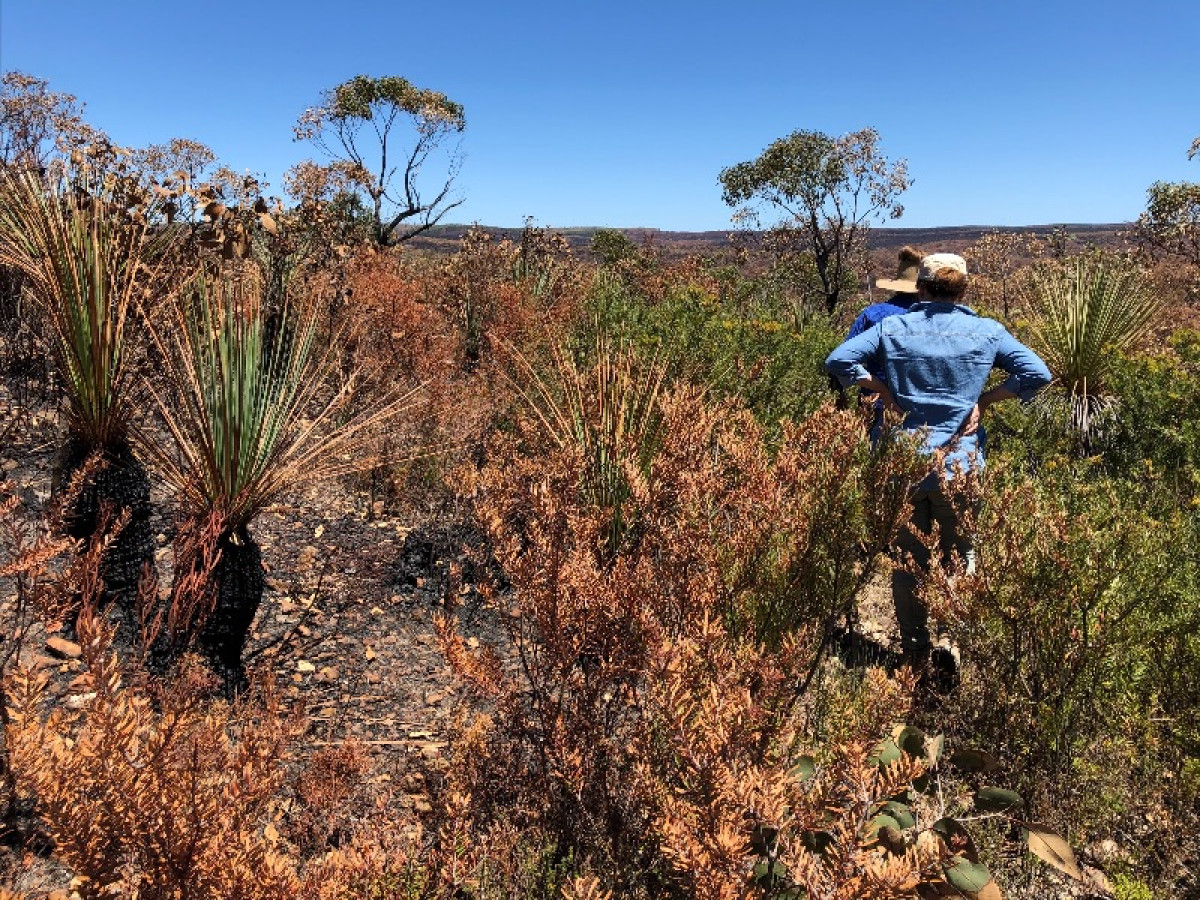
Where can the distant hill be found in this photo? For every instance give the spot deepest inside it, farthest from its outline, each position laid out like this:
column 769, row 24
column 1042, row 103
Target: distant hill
column 677, row 244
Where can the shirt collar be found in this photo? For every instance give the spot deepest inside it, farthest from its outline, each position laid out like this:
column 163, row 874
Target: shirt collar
column 938, row 306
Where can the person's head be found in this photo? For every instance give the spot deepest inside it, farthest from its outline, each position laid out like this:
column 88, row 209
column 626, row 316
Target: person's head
column 905, row 281
column 942, row 277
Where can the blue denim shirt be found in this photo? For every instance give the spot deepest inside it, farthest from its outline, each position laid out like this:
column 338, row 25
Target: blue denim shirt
column 936, row 359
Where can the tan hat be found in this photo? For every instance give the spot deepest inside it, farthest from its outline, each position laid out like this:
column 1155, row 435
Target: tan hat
column 905, row 281
column 935, row 262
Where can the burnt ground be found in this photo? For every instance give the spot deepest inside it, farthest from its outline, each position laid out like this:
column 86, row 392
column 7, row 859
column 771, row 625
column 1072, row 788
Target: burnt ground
column 345, row 626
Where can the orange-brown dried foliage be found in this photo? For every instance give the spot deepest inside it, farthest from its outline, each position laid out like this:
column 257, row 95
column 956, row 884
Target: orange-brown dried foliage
column 655, row 698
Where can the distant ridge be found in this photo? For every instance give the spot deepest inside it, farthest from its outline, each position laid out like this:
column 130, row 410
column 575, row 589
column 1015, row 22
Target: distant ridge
column 445, row 238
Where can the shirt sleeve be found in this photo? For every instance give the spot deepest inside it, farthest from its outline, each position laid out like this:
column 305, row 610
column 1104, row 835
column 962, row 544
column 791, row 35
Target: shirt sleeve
column 861, row 324
column 850, row 361
column 1027, row 373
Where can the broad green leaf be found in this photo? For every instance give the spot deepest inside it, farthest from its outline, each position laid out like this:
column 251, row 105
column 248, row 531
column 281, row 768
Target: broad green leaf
column 901, row 813
column 804, row 769
column 911, row 740
column 880, row 822
column 969, row 760
column 995, row 799
column 969, row 877
column 884, row 753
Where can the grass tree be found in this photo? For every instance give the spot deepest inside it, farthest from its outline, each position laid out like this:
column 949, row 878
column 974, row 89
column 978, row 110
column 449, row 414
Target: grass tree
column 606, row 412
column 256, row 405
column 1087, row 311
column 87, row 257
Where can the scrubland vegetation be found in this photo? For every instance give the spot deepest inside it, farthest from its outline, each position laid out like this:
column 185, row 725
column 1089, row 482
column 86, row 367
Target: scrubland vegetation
column 668, row 515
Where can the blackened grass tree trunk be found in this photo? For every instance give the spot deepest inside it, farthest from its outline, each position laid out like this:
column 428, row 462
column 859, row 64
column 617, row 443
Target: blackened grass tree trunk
column 252, row 416
column 87, row 257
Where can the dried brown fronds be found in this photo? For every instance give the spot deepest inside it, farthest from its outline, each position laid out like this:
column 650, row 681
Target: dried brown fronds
column 152, row 794
column 675, row 662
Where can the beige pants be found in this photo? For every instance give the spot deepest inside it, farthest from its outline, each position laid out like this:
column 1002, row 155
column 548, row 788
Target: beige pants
column 928, row 507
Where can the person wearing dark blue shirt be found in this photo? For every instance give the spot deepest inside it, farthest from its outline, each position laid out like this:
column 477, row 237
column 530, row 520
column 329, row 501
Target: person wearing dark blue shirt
column 904, row 288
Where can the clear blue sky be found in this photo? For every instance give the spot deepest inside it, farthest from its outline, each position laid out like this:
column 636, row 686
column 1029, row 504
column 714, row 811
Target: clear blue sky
column 623, row 113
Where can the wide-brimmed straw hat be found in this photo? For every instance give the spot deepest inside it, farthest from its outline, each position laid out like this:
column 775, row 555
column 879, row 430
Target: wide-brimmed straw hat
column 905, row 281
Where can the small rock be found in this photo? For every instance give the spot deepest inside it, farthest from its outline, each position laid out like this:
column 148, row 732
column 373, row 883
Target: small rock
column 305, row 666
column 64, row 648
column 425, row 638
column 433, row 698
column 422, row 806
column 329, row 673
column 1106, row 850
column 79, row 701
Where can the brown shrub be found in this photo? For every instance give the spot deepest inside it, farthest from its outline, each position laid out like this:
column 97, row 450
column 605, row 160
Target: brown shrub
column 655, row 702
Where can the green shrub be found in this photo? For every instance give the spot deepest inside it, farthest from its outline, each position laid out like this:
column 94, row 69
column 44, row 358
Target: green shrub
column 1153, row 435
column 739, row 345
column 1078, row 633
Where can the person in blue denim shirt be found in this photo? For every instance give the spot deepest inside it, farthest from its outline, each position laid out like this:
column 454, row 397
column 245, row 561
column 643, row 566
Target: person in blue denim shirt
column 933, row 363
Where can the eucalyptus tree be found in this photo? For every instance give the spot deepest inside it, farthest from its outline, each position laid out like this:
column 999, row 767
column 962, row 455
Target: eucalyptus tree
column 825, row 190
column 380, row 136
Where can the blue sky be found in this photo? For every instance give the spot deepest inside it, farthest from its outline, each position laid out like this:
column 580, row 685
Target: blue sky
column 623, row 113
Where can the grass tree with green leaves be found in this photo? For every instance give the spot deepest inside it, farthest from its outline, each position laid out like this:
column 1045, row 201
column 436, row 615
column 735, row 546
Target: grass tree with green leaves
column 607, row 412
column 256, row 406
column 88, row 258
column 1087, row 311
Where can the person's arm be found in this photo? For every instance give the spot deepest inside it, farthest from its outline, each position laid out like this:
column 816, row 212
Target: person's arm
column 849, row 362
column 1027, row 375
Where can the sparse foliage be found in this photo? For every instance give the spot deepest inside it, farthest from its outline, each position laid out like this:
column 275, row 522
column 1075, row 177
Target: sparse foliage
column 35, row 122
column 356, row 126
column 827, row 189
column 1171, row 222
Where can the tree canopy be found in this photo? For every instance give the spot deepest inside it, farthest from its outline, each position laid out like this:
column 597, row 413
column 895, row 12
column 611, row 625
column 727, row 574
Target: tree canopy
column 358, row 127
column 828, row 188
